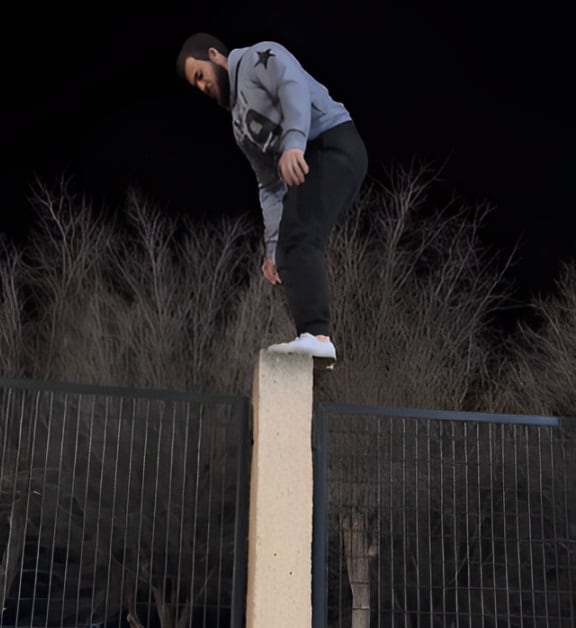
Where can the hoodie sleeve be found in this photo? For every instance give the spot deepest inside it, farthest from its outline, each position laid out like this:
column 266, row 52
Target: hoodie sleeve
column 281, row 75
column 271, row 201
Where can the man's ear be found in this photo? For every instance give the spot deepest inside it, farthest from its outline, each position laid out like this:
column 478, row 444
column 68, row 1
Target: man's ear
column 217, row 57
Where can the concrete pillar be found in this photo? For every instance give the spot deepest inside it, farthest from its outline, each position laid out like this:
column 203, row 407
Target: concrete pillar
column 279, row 591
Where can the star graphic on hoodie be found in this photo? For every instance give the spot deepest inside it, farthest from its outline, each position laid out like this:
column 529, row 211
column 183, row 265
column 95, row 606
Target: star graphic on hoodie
column 263, row 58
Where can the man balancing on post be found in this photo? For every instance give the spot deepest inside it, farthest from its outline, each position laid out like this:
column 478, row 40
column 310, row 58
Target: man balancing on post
column 309, row 162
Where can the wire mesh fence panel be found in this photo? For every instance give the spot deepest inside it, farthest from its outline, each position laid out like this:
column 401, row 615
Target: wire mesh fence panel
column 117, row 507
column 445, row 522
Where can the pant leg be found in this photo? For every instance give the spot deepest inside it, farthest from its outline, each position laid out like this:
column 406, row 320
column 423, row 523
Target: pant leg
column 338, row 164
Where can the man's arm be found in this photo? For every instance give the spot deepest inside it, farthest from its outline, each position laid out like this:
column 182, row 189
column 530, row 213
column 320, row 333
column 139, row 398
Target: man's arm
column 271, row 202
column 282, row 76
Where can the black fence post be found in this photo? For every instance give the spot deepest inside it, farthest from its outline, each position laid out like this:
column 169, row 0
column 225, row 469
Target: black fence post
column 238, row 602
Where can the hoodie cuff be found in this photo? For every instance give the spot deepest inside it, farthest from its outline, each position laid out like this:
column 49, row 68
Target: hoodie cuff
column 271, row 250
column 294, row 139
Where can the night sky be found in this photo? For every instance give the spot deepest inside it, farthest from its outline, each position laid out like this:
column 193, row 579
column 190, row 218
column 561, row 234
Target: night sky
column 485, row 93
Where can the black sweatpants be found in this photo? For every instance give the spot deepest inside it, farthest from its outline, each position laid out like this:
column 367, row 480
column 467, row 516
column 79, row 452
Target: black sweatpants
column 338, row 164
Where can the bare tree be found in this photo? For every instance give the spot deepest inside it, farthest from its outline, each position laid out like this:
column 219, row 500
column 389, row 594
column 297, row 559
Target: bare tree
column 536, row 370
column 260, row 317
column 168, row 302
column 11, row 311
column 137, row 306
column 413, row 291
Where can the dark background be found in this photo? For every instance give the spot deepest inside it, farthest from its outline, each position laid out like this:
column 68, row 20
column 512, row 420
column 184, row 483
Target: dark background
column 484, row 93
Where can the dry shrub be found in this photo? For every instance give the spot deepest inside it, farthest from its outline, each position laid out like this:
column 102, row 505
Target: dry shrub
column 536, row 372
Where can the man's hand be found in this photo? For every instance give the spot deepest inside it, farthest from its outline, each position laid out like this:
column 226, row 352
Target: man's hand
column 293, row 166
column 269, row 271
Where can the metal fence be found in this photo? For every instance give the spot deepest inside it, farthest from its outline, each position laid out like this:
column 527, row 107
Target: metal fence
column 128, row 508
column 443, row 519
column 121, row 507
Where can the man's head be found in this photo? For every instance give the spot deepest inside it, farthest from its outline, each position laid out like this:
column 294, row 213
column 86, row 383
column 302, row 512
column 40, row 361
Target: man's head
column 203, row 62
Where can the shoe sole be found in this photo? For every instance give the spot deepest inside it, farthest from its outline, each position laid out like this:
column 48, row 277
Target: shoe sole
column 324, row 364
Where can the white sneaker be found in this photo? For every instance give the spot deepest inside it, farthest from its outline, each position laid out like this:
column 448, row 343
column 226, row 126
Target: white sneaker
column 307, row 344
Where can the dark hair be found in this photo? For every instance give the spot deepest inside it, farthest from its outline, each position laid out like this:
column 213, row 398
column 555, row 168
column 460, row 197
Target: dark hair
column 197, row 46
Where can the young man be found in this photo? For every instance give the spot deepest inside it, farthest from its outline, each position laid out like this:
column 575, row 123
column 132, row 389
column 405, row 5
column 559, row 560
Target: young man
column 309, row 162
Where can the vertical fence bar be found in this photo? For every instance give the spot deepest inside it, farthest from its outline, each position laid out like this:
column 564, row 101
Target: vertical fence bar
column 244, row 434
column 570, row 531
column 455, row 554
column 404, row 526
column 416, row 515
column 429, row 522
column 467, row 465
column 392, row 527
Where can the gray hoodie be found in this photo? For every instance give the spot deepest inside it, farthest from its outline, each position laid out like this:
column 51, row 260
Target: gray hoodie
column 276, row 105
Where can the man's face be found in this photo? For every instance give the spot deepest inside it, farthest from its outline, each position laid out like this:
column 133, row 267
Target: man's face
column 210, row 78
